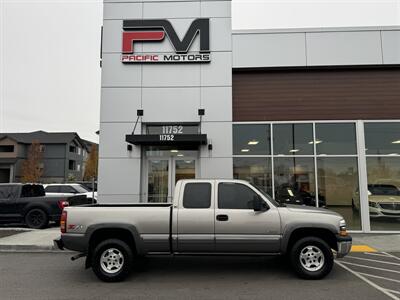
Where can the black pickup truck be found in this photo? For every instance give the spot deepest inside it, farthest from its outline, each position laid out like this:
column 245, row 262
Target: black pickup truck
column 29, row 204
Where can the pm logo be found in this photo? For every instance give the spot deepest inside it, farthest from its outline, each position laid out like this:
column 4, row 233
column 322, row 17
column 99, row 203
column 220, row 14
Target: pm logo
column 136, row 31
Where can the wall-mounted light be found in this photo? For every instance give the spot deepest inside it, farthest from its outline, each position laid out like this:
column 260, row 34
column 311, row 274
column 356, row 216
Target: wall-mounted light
column 201, row 112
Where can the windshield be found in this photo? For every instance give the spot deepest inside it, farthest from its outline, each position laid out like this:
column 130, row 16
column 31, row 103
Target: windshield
column 266, row 195
column 383, row 189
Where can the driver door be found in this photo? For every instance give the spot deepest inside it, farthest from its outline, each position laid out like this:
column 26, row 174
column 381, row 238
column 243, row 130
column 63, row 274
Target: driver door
column 240, row 229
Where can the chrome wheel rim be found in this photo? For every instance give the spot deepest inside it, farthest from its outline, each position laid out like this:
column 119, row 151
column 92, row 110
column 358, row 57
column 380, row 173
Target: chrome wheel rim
column 111, row 260
column 312, row 258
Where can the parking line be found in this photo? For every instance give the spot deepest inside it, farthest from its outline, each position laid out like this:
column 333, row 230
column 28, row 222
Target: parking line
column 377, row 254
column 369, row 267
column 379, row 277
column 362, row 248
column 373, row 260
column 391, row 255
column 387, row 293
column 393, row 291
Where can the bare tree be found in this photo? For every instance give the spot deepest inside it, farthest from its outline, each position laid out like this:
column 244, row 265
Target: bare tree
column 31, row 167
column 91, row 164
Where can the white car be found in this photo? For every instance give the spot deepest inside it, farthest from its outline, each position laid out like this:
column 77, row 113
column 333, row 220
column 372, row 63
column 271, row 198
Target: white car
column 68, row 189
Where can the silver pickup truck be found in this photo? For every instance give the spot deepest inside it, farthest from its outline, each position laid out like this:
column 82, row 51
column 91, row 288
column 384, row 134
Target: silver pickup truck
column 219, row 217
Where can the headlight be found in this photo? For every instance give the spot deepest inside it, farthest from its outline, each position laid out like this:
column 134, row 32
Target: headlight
column 372, row 204
column 342, row 228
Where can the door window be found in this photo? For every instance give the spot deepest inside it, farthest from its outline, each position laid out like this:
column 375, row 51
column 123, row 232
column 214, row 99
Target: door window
column 235, row 196
column 197, row 195
column 5, row 192
column 52, row 189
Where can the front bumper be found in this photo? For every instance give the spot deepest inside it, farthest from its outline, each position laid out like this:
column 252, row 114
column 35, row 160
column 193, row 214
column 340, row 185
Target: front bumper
column 344, row 244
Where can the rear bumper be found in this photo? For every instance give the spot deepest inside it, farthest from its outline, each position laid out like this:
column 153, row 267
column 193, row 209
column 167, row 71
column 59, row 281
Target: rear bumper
column 344, row 244
column 58, row 243
column 75, row 242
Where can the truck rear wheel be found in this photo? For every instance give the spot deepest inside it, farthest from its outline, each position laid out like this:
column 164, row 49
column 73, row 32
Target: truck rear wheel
column 112, row 260
column 311, row 258
column 36, row 218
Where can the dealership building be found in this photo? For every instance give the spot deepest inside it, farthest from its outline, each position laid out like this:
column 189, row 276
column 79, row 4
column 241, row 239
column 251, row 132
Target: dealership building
column 311, row 116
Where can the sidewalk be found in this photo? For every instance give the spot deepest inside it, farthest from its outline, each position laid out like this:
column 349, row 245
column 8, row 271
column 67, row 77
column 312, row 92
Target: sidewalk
column 42, row 240
column 30, row 240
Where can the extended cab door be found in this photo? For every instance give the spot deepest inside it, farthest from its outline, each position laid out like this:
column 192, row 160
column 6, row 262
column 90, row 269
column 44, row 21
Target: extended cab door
column 238, row 228
column 195, row 216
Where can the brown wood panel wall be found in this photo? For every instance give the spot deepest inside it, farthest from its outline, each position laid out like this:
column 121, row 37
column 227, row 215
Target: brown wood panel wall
column 323, row 94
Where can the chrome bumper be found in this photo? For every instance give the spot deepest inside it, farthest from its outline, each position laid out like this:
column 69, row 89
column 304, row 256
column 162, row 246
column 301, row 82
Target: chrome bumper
column 344, row 247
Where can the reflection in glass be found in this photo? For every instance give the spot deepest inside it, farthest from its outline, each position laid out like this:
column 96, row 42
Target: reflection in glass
column 185, row 169
column 157, row 181
column 338, row 185
column 295, row 181
column 251, row 139
column 255, row 170
column 293, row 139
column 382, row 138
column 335, row 138
column 384, row 192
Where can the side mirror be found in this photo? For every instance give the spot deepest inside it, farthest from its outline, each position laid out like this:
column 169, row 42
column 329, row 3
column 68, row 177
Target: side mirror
column 259, row 204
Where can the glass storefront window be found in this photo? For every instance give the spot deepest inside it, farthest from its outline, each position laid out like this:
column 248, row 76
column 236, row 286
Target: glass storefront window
column 338, row 187
column 293, row 139
column 256, row 170
column 335, row 138
column 295, row 180
column 252, row 139
column 384, row 192
column 382, row 138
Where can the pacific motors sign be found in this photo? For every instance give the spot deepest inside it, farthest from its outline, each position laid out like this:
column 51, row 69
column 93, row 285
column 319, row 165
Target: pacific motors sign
column 135, row 31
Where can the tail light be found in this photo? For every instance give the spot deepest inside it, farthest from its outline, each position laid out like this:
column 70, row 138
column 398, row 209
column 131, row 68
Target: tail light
column 63, row 222
column 62, row 204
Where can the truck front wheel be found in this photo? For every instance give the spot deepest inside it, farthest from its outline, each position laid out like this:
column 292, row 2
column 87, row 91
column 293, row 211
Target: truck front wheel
column 311, row 258
column 112, row 260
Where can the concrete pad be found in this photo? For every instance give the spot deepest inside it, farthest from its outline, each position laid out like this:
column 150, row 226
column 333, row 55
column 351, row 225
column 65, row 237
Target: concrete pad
column 31, row 240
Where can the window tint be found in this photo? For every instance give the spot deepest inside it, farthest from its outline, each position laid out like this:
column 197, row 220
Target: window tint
column 67, row 189
column 197, row 195
column 235, row 196
column 52, row 189
column 32, row 190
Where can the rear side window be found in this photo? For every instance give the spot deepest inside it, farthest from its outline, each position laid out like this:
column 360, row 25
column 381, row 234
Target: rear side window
column 66, row 189
column 32, row 190
column 52, row 189
column 235, row 196
column 197, row 195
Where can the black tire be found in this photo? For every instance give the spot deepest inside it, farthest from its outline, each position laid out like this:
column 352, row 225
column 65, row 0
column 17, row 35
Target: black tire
column 320, row 267
column 117, row 272
column 36, row 218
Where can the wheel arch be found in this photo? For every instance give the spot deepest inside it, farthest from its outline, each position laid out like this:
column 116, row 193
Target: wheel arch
column 125, row 232
column 327, row 234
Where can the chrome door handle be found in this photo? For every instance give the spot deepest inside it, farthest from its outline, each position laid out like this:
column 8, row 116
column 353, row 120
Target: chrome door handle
column 222, row 218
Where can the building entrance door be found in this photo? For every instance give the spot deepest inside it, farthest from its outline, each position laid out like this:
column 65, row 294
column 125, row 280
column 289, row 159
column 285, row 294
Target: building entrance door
column 163, row 170
column 5, row 175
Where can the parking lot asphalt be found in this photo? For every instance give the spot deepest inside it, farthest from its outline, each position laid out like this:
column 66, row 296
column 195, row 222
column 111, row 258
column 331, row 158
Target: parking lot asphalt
column 54, row 276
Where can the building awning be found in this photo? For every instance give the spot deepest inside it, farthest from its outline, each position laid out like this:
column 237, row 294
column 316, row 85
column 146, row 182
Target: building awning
column 167, row 139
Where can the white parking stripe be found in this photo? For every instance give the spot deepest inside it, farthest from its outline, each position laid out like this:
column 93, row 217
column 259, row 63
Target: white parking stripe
column 379, row 277
column 373, row 260
column 391, row 255
column 369, row 267
column 376, row 254
column 393, row 291
column 387, row 293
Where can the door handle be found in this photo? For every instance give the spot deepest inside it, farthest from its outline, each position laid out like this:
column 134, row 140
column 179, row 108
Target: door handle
column 222, row 218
